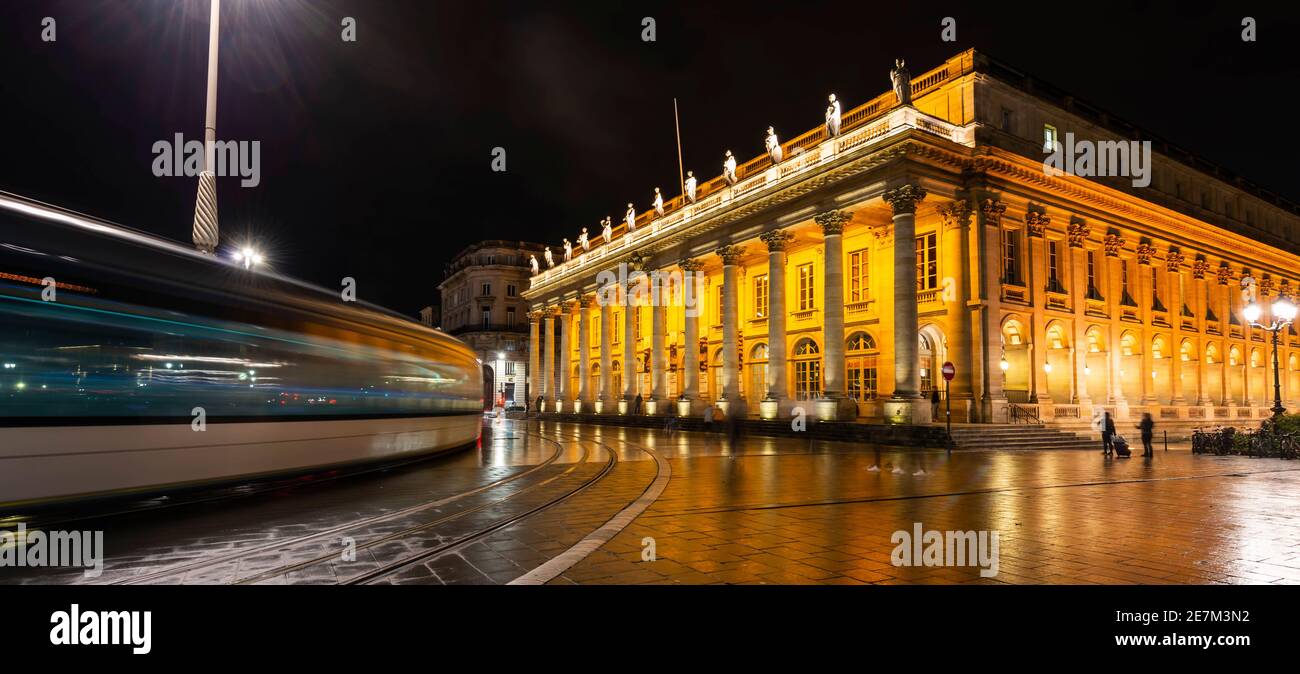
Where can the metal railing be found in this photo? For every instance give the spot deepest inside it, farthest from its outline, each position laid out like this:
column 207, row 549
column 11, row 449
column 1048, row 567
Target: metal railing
column 1023, row 415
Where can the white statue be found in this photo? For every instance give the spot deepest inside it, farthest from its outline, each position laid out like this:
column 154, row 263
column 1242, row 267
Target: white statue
column 902, row 82
column 568, row 250
column 773, row 146
column 729, row 168
column 550, row 259
column 630, row 218
column 659, row 203
column 582, row 239
column 532, row 262
column 833, row 117
column 690, row 187
column 607, row 233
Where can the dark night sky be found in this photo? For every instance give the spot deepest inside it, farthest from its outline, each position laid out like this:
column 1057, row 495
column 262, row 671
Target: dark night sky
column 376, row 154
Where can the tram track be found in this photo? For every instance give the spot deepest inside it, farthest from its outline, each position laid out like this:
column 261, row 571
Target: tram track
column 255, row 550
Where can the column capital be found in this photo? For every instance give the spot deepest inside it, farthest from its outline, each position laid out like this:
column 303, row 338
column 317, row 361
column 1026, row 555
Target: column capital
column 832, row 222
column 555, row 311
column 1224, row 275
column 1144, row 252
column 691, row 264
column 1173, row 259
column 583, row 301
column 1266, row 286
column 535, row 315
column 1199, row 267
column 637, row 261
column 904, row 199
column 993, row 211
column 955, row 214
column 1114, row 243
column 729, row 253
column 1077, row 233
column 776, row 239
column 1036, row 223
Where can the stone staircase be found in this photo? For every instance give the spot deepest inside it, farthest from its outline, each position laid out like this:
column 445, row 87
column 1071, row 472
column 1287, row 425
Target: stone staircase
column 1024, row 436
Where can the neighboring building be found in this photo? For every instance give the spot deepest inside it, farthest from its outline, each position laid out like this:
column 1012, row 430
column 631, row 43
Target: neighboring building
column 430, row 316
column 483, row 305
column 857, row 265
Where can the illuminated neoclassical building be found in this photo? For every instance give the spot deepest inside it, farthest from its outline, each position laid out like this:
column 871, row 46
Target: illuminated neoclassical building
column 839, row 278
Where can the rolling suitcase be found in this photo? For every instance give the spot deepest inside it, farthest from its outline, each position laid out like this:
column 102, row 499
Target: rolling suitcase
column 1121, row 447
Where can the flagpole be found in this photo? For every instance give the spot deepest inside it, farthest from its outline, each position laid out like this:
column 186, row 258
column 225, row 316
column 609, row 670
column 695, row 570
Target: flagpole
column 681, row 177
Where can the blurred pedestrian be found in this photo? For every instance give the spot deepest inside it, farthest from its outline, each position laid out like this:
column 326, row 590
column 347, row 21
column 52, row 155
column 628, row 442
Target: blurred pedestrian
column 1148, row 428
column 636, row 404
column 1107, row 434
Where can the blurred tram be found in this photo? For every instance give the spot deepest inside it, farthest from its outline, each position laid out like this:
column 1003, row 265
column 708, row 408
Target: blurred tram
column 129, row 363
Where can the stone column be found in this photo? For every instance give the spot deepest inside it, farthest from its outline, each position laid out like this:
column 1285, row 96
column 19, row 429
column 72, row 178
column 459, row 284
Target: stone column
column 584, row 356
column 1201, row 307
column 630, row 374
column 1146, row 303
column 657, row 404
column 693, row 304
column 906, row 405
column 834, row 405
column 534, row 364
column 730, row 399
column 548, row 359
column 1114, row 243
column 993, row 403
column 1173, row 265
column 563, row 396
column 607, row 297
column 1077, row 234
column 956, row 262
column 776, row 402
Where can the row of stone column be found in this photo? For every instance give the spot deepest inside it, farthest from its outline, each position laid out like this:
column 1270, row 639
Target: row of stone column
column 551, row 381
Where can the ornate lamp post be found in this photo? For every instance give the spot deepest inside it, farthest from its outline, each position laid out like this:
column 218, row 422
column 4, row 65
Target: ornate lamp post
column 206, row 232
column 1282, row 312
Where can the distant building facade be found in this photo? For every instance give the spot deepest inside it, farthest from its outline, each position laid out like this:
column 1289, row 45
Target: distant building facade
column 837, row 279
column 483, row 305
column 431, row 316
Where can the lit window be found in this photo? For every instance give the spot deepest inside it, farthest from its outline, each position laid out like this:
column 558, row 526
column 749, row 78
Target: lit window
column 760, row 296
column 927, row 262
column 1049, row 138
column 1011, row 256
column 807, row 370
column 806, row 287
column 859, row 280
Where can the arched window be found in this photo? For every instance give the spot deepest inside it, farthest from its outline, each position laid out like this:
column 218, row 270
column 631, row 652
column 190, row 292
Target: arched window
column 1158, row 348
column 717, row 374
column 1255, row 359
column 758, row 370
column 1056, row 337
column 1128, row 344
column 1211, row 354
column 807, row 370
column 1234, row 356
column 925, row 358
column 1013, row 334
column 615, row 379
column 1096, row 344
column 1187, row 351
column 860, row 366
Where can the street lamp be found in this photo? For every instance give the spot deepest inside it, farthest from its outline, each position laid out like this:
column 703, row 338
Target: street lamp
column 249, row 256
column 206, row 232
column 1282, row 311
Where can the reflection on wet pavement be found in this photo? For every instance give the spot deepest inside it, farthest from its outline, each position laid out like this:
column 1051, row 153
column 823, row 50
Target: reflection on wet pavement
column 764, row 510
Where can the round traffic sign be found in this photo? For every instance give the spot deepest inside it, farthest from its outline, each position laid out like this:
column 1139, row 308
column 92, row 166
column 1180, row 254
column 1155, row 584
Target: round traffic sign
column 949, row 371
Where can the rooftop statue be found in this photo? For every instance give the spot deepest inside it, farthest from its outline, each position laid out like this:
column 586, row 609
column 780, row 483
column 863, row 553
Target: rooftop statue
column 630, row 218
column 607, row 232
column 902, row 81
column 568, row 250
column 659, row 203
column 833, row 117
column 550, row 259
column 690, row 187
column 532, row 262
column 583, row 240
column 773, row 146
column 729, row 168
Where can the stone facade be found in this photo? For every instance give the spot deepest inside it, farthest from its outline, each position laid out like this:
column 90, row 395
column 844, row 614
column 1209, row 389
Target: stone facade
column 837, row 282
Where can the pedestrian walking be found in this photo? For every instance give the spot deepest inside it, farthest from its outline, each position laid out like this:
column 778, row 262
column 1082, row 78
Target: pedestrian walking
column 636, row 404
column 1107, row 434
column 1148, row 428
